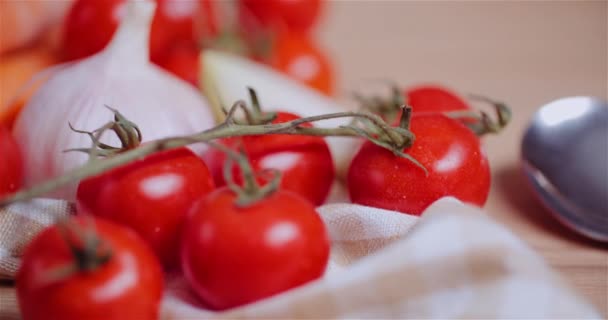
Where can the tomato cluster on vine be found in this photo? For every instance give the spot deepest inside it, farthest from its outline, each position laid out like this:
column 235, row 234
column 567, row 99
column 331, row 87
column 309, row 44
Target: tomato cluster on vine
column 226, row 220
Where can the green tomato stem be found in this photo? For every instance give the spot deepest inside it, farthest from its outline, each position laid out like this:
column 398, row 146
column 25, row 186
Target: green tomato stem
column 251, row 190
column 483, row 123
column 89, row 251
column 376, row 130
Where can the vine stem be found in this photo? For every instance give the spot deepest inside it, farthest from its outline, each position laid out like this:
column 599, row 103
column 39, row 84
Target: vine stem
column 392, row 138
column 484, row 124
column 478, row 121
column 251, row 191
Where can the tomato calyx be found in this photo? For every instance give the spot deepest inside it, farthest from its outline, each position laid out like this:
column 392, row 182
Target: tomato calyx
column 251, row 191
column 89, row 251
column 257, row 116
column 388, row 108
column 479, row 122
column 404, row 125
column 396, row 139
column 483, row 123
column 253, row 116
column 373, row 128
column 127, row 132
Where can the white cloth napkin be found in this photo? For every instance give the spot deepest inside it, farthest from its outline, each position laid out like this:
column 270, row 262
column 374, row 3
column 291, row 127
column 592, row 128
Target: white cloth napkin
column 453, row 262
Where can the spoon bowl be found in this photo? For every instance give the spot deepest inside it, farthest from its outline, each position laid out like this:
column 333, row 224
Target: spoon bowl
column 565, row 160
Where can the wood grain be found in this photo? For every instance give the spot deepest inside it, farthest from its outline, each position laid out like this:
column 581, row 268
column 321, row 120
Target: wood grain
column 526, row 53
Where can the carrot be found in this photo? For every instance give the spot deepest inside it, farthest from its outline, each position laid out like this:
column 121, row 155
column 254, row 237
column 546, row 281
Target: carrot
column 16, row 68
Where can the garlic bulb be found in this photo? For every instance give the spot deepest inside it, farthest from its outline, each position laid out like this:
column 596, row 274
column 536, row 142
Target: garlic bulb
column 120, row 76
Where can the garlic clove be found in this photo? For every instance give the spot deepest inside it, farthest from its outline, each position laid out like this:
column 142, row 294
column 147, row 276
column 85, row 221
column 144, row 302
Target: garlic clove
column 120, row 76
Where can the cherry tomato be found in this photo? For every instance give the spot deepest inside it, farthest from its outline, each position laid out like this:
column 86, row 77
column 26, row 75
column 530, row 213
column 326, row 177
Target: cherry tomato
column 304, row 161
column 287, row 15
column 152, row 196
column 126, row 286
column 434, row 99
column 183, row 61
column 90, row 25
column 179, row 21
column 421, row 98
column 11, row 165
column 446, row 148
column 298, row 57
column 235, row 255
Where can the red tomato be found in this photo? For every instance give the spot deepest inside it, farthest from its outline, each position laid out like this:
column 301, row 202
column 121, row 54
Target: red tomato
column 304, row 161
column 151, row 196
column 11, row 165
column 298, row 57
column 183, row 61
column 422, row 98
column 447, row 149
column 434, row 99
column 179, row 21
column 90, row 25
column 127, row 286
column 232, row 256
column 285, row 15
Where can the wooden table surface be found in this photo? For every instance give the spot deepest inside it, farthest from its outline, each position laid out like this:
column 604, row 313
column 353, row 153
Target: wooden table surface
column 525, row 53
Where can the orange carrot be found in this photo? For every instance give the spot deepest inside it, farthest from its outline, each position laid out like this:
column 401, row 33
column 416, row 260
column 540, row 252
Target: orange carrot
column 16, row 68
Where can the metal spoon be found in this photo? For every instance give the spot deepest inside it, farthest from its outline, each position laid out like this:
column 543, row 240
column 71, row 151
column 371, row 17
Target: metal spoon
column 565, row 159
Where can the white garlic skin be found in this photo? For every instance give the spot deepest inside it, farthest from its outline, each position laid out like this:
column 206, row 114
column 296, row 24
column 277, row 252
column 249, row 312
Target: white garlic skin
column 119, row 76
